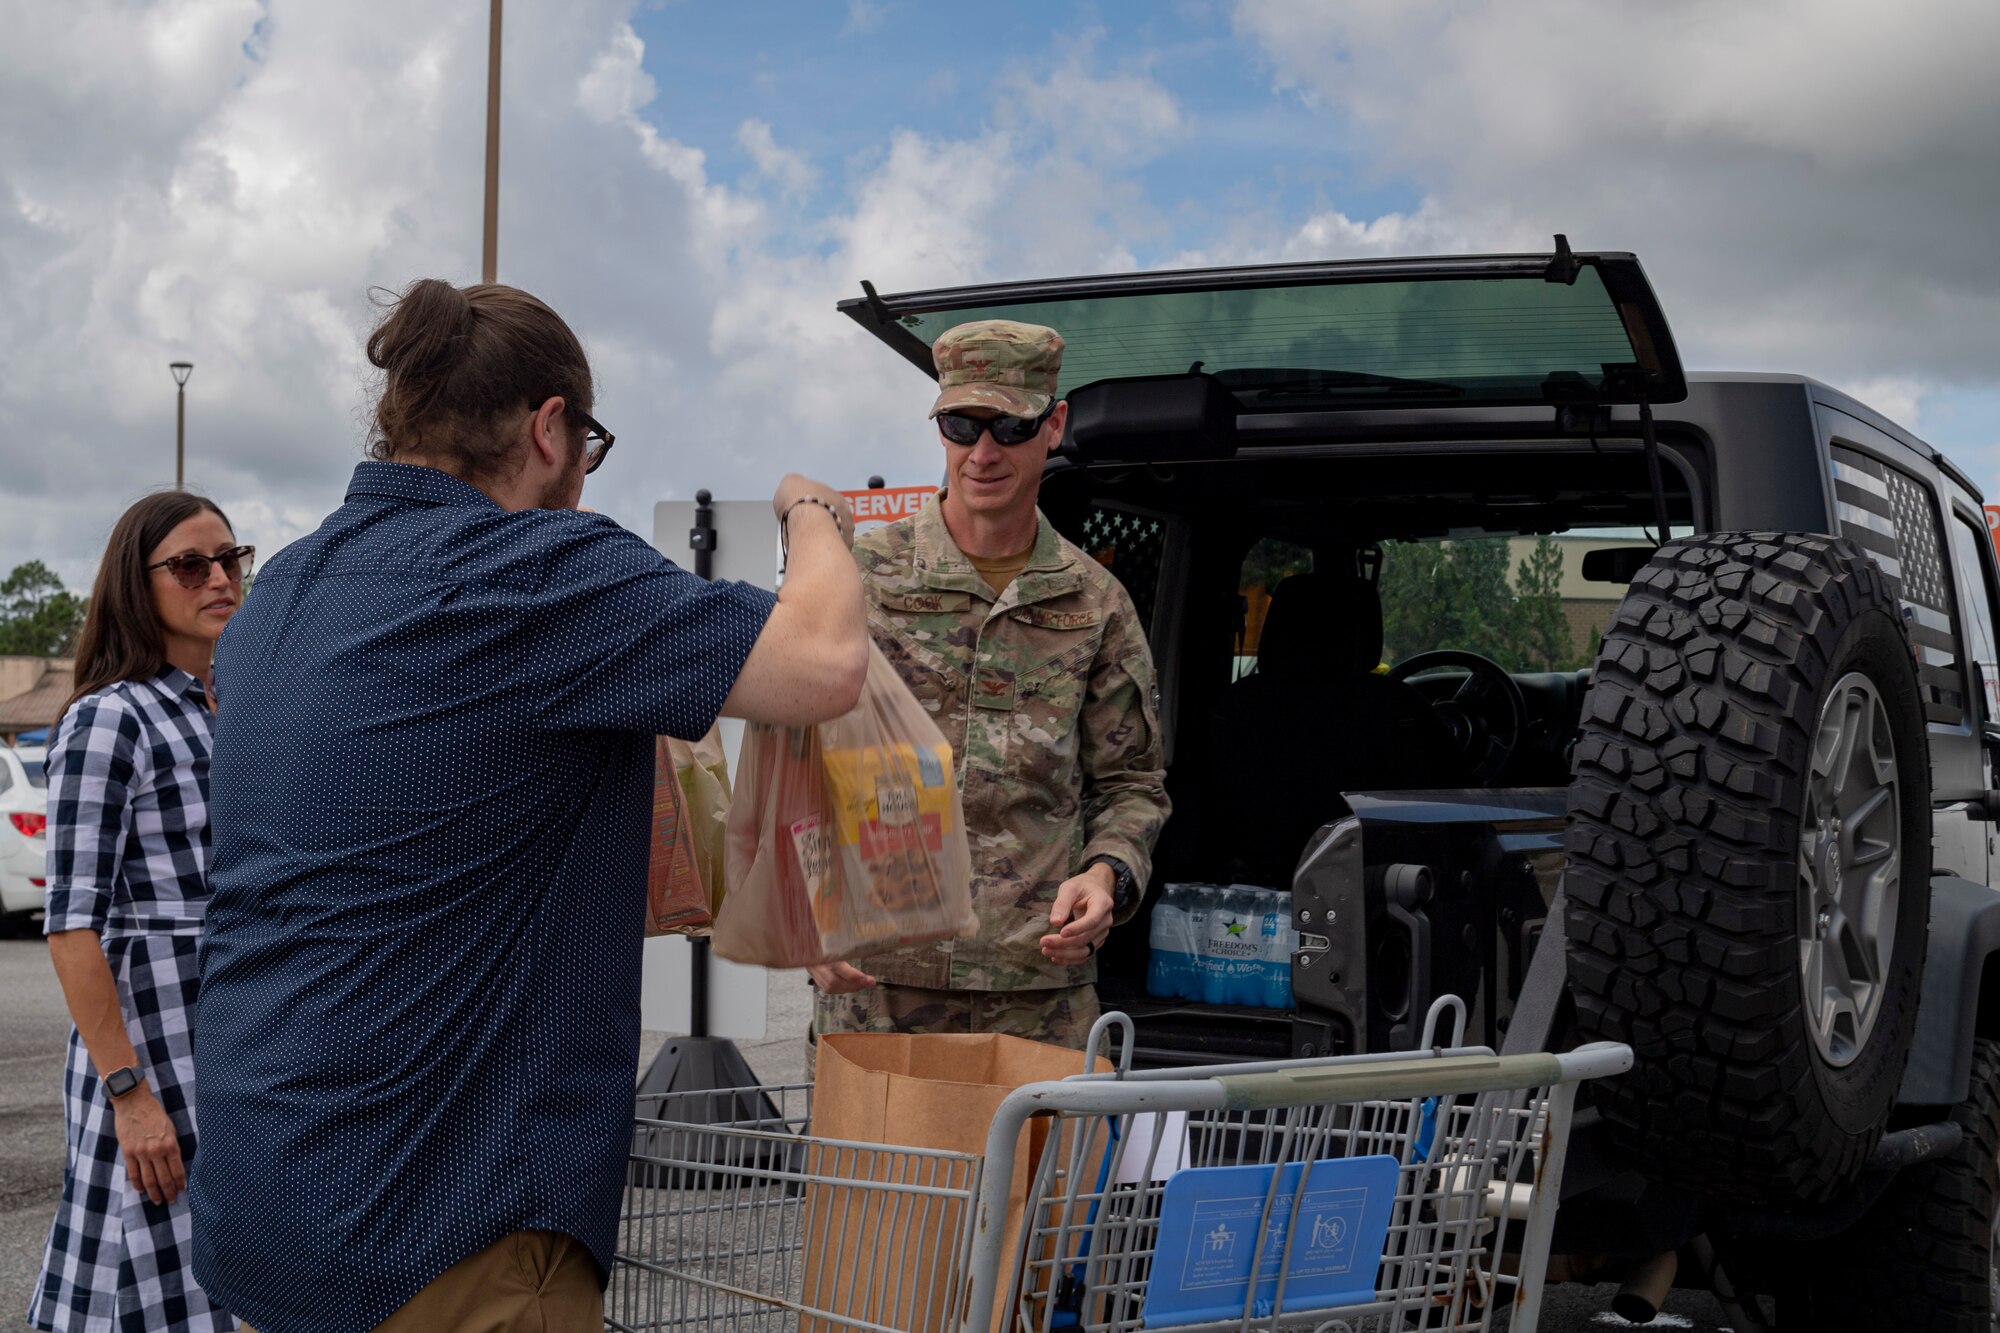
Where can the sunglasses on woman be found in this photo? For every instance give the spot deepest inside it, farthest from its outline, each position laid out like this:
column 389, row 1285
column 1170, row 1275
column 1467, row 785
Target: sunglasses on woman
column 962, row 429
column 191, row 571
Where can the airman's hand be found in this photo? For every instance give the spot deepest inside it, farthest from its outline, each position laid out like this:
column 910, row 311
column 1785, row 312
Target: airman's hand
column 840, row 978
column 1082, row 916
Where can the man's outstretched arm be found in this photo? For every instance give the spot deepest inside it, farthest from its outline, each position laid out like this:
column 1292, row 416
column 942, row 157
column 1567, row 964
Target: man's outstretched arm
column 809, row 663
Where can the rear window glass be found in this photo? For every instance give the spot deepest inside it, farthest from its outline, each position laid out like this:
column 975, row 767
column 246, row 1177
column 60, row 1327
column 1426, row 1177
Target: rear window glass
column 1460, row 341
column 1521, row 601
column 37, row 776
column 1892, row 517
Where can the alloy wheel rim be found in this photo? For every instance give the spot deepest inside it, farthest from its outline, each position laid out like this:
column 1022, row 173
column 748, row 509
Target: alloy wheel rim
column 1850, row 870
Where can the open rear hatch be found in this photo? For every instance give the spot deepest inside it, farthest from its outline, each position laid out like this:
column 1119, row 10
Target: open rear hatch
column 1187, row 364
column 1496, row 331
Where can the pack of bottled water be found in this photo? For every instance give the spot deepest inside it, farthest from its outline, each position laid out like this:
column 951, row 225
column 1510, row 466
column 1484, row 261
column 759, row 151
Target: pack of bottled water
column 1223, row 944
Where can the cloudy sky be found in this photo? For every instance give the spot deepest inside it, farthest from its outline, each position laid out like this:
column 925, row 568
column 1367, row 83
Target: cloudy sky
column 1811, row 183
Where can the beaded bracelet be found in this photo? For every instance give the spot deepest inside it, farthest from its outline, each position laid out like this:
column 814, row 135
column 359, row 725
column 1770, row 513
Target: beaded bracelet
column 785, row 520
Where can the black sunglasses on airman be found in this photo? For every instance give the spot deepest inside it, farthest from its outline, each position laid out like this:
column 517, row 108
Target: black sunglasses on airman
column 596, row 440
column 191, row 571
column 962, row 429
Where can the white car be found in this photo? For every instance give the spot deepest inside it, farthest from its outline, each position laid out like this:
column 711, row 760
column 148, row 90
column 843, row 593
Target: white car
column 23, row 819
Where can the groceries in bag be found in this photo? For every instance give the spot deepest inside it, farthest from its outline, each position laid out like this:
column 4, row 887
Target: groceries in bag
column 677, row 890
column 846, row 838
column 883, row 1257
column 702, row 771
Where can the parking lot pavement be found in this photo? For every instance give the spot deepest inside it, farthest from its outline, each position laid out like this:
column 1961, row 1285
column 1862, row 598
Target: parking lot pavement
column 33, row 1033
column 36, row 1027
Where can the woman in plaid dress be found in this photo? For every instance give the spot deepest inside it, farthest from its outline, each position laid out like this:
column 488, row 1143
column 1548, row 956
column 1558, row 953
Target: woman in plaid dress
column 127, row 887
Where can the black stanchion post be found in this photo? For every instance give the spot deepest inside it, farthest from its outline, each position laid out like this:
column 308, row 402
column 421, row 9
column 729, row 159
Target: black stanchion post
column 698, row 1062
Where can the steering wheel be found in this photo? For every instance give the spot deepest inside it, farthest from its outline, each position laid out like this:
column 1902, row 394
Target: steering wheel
column 1485, row 715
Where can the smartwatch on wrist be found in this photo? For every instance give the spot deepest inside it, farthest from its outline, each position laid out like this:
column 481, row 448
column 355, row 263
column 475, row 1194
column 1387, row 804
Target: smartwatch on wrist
column 121, row 1082
column 1123, row 886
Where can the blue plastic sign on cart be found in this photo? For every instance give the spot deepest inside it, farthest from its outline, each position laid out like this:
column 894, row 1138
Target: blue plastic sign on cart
column 1208, row 1239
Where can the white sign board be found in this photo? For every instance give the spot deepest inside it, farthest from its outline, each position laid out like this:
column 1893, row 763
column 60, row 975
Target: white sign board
column 736, row 994
column 746, row 547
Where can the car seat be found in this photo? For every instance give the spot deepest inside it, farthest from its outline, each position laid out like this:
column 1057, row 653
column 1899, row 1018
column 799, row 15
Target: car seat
column 1314, row 719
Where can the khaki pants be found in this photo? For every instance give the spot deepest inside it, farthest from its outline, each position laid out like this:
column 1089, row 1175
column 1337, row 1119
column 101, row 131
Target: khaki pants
column 527, row 1282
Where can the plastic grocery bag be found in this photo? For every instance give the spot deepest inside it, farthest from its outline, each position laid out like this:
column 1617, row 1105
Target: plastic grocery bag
column 846, row 838
column 702, row 771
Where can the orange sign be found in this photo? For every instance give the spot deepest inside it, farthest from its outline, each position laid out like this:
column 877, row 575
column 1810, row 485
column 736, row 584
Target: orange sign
column 887, row 505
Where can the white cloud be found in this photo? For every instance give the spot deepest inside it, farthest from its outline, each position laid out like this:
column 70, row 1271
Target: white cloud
column 1801, row 177
column 1331, row 234
column 784, row 166
column 223, row 181
column 865, row 16
column 1118, row 118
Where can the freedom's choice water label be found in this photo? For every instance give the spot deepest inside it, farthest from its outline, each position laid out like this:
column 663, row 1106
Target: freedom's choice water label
column 1232, row 951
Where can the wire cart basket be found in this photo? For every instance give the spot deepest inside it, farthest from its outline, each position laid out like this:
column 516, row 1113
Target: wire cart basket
column 753, row 1225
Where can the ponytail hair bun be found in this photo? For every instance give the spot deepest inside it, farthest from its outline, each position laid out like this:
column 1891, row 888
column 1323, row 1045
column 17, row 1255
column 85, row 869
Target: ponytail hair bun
column 456, row 362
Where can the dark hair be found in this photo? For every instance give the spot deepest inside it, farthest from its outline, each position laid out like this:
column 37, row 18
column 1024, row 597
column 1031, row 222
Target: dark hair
column 121, row 637
column 455, row 361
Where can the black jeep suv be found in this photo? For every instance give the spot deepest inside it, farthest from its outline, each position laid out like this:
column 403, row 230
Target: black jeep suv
column 1626, row 704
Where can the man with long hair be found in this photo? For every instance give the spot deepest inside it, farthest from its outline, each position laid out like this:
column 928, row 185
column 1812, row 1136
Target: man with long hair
column 432, row 786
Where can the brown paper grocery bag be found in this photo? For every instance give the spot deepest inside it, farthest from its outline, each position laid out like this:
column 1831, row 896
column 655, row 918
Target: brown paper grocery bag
column 885, row 1257
column 676, row 895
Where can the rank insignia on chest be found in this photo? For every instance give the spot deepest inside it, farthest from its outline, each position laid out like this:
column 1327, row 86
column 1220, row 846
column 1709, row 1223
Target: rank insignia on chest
column 993, row 687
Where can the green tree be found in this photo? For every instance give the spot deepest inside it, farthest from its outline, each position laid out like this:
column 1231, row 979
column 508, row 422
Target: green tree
column 1458, row 594
column 1538, row 631
column 1446, row 595
column 38, row 617
column 1271, row 561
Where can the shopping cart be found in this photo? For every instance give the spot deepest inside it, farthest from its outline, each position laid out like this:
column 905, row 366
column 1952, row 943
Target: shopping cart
column 756, row 1225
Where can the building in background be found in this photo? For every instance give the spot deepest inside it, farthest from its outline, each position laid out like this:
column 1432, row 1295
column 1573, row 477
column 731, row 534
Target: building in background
column 32, row 693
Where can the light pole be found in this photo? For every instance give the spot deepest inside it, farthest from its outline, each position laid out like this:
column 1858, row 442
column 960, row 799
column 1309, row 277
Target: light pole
column 489, row 258
column 181, row 370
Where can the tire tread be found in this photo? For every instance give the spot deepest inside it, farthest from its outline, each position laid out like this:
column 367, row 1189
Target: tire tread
column 1687, row 782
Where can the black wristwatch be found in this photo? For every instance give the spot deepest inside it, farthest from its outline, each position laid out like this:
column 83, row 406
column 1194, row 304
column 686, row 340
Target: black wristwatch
column 1123, row 886
column 119, row 1082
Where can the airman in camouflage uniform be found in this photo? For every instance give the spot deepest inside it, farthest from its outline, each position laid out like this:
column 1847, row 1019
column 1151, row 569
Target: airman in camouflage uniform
column 1044, row 689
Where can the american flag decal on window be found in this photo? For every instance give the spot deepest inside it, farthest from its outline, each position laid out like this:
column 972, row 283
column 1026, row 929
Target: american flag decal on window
column 1893, row 519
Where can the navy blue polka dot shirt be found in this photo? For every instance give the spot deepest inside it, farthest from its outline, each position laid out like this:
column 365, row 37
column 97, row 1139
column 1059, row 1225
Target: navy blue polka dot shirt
column 430, row 800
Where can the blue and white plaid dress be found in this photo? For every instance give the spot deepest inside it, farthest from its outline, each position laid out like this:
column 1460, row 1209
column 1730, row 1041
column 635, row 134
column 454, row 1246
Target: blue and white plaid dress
column 128, row 858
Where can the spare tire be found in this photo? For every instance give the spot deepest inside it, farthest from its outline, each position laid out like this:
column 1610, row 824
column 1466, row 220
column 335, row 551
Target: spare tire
column 1748, row 878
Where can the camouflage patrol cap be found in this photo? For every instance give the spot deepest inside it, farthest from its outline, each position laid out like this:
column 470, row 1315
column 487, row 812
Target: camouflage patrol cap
column 997, row 363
